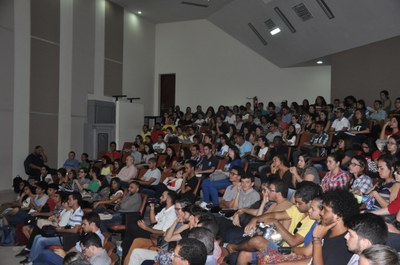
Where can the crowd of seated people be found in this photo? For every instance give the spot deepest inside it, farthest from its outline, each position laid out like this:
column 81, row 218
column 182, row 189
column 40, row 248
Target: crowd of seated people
column 291, row 166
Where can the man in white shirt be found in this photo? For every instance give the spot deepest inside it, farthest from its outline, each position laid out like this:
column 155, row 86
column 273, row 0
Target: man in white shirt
column 151, row 179
column 341, row 123
column 230, row 117
column 158, row 223
column 160, row 146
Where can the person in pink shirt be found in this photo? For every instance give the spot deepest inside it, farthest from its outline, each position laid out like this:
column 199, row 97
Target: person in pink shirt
column 128, row 172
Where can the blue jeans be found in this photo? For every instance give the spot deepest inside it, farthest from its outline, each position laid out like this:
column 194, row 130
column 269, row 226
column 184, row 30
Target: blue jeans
column 48, row 257
column 40, row 244
column 116, row 219
column 210, row 189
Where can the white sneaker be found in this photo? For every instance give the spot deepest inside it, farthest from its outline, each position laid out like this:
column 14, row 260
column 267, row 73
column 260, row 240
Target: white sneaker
column 203, row 205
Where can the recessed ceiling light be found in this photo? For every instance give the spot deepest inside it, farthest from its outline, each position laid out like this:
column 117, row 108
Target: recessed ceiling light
column 320, row 62
column 275, row 31
column 139, row 12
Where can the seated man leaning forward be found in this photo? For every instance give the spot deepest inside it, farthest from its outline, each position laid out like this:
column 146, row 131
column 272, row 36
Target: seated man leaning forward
column 90, row 224
column 158, row 223
column 41, row 243
column 294, row 236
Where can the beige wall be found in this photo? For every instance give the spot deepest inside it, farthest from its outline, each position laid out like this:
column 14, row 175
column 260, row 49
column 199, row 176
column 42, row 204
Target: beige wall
column 366, row 70
column 212, row 68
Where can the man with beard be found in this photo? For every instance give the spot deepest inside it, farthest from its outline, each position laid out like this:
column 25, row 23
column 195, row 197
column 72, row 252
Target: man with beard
column 293, row 236
column 329, row 244
column 160, row 222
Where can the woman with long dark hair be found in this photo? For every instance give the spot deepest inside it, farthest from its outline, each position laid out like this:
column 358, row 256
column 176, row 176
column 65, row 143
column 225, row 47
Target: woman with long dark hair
column 305, row 171
column 335, row 178
column 360, row 182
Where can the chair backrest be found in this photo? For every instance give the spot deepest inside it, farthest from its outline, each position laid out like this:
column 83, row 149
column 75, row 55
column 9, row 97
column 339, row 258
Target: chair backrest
column 187, row 146
column 221, row 164
column 143, row 204
column 114, row 259
column 196, row 190
column 245, row 166
column 101, row 154
column 109, row 247
column 177, row 148
column 165, row 174
column 304, row 137
column 142, row 171
column 204, row 128
column 127, row 145
column 160, row 159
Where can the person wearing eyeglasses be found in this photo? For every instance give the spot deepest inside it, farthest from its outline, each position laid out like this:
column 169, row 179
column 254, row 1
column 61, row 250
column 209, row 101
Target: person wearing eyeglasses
column 189, row 251
column 293, row 236
column 360, row 183
column 93, row 251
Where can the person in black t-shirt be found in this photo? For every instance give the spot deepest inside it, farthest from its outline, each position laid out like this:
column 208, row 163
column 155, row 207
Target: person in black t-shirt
column 338, row 207
column 190, row 181
column 34, row 162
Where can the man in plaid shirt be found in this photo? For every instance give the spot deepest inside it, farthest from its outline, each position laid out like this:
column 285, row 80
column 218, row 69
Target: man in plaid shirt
column 320, row 139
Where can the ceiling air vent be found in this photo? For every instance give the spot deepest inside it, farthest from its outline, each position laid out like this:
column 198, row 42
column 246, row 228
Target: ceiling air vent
column 255, row 31
column 194, row 4
column 326, row 9
column 270, row 24
column 302, row 12
column 285, row 19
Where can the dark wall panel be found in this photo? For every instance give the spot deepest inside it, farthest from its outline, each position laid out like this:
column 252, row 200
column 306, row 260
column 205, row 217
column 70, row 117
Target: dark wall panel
column 44, row 131
column 114, row 31
column 45, row 19
column 45, row 59
column 45, row 65
column 366, row 70
column 112, row 78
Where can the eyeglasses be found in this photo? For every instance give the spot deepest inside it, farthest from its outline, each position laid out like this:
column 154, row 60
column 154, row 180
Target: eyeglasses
column 232, row 173
column 355, row 165
column 365, row 147
column 299, row 224
column 174, row 255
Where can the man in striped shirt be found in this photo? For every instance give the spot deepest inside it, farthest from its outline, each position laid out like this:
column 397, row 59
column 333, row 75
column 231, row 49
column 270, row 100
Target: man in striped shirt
column 73, row 226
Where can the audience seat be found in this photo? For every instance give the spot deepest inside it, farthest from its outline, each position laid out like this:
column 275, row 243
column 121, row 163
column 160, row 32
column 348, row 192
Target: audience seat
column 101, row 154
column 221, row 164
column 160, row 159
column 204, row 129
column 127, row 146
column 141, row 172
column 119, row 228
column 177, row 148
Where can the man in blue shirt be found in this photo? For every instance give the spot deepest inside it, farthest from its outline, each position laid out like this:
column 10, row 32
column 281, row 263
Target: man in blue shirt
column 208, row 163
column 244, row 146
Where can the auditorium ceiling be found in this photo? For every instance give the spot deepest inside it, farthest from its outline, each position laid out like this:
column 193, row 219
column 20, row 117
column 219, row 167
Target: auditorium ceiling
column 309, row 30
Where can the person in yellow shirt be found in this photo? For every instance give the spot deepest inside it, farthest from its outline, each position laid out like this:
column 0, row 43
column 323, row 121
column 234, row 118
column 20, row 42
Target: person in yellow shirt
column 293, row 236
column 145, row 131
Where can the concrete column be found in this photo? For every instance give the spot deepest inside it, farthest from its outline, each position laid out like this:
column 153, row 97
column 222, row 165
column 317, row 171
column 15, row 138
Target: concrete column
column 22, row 63
column 65, row 87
